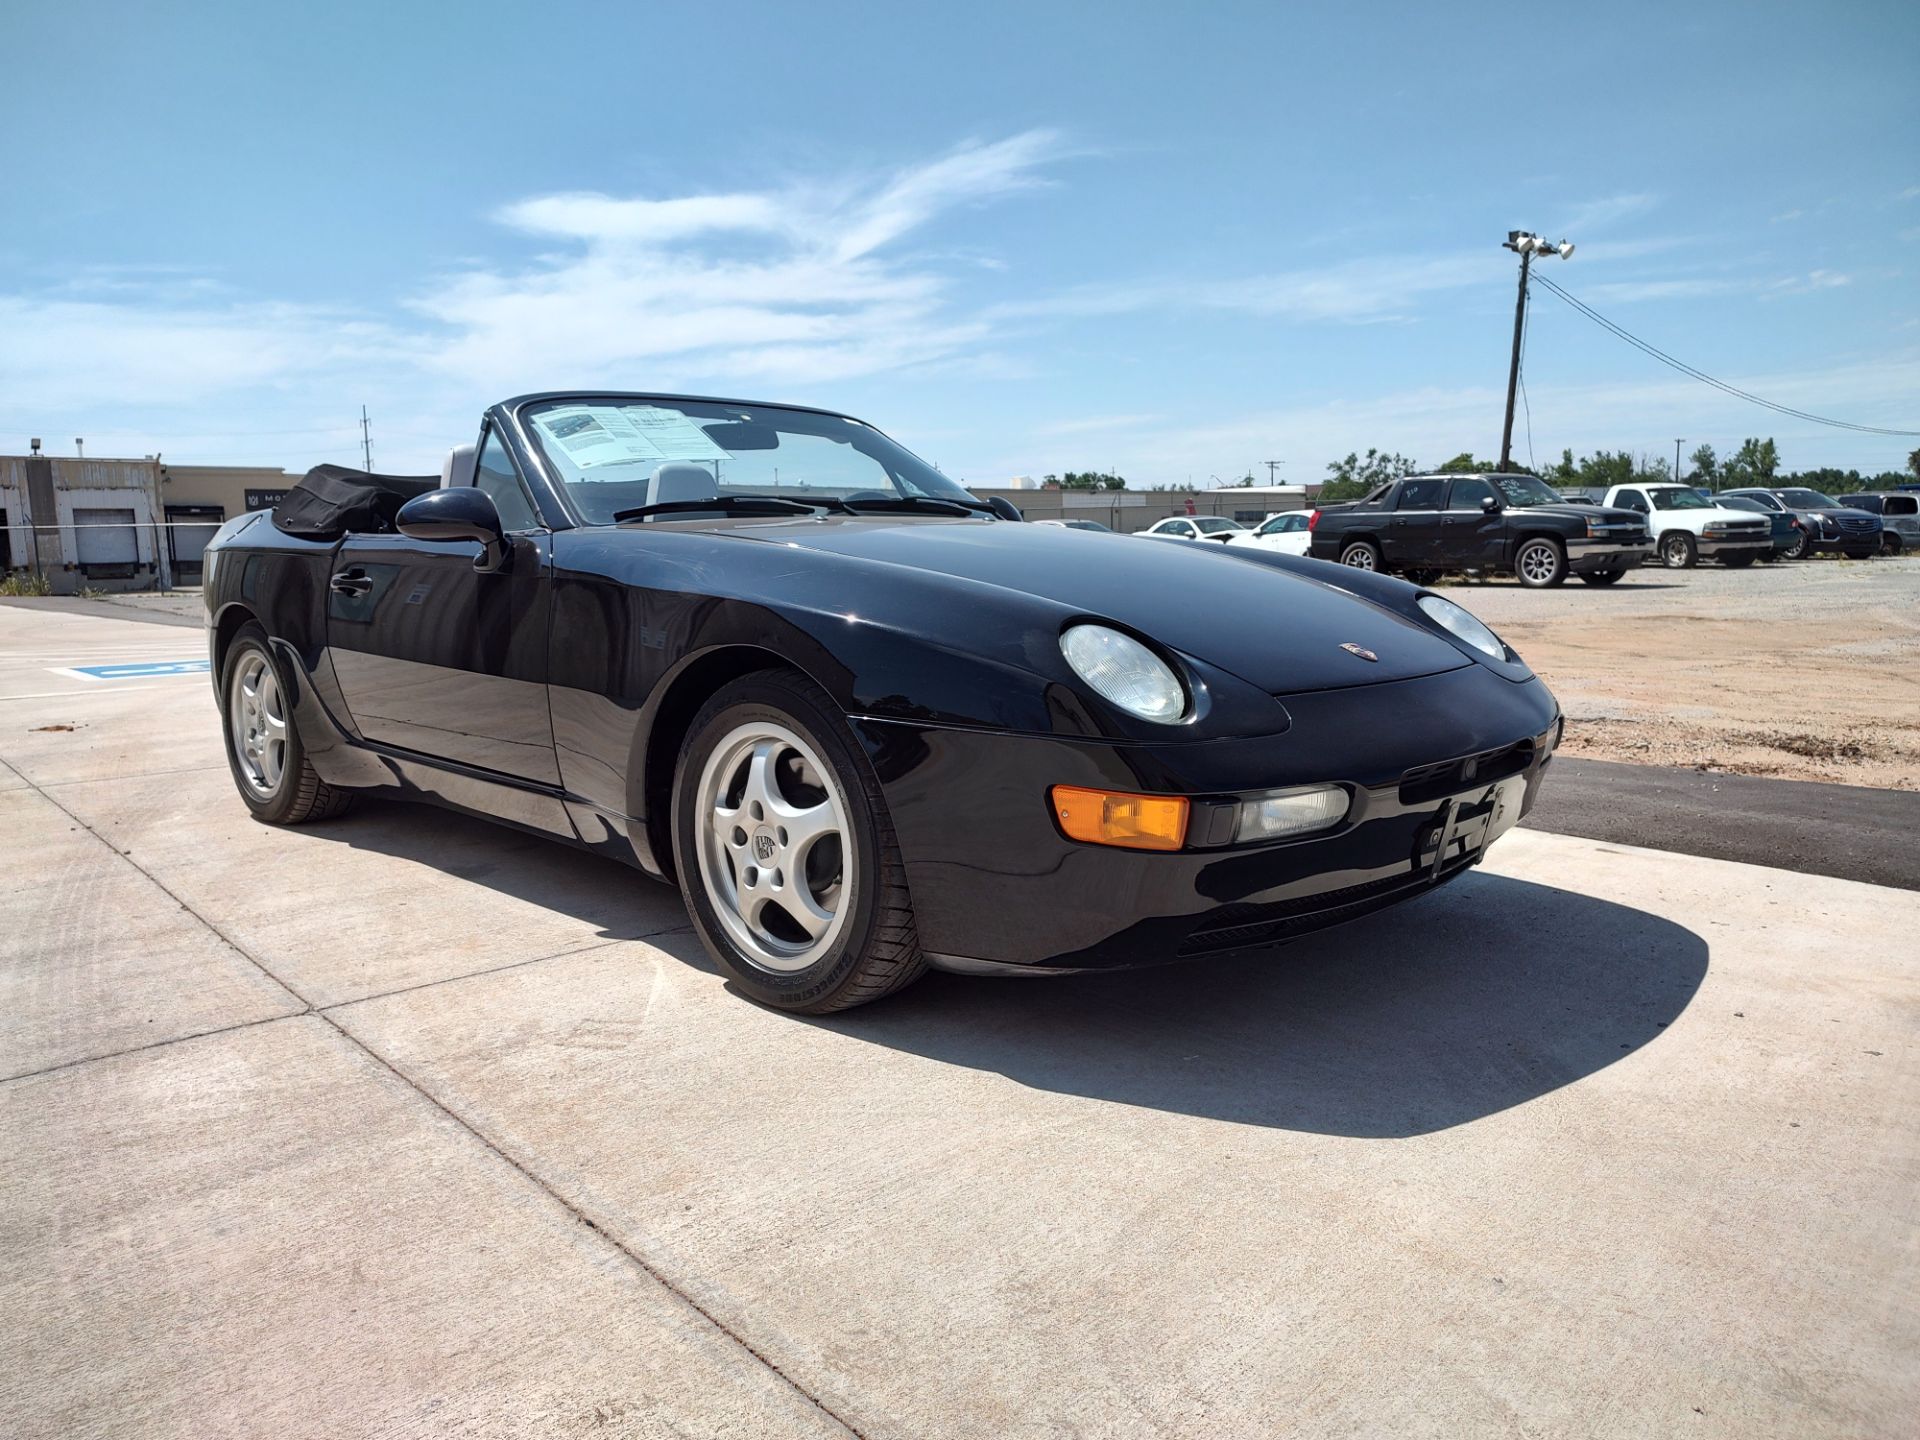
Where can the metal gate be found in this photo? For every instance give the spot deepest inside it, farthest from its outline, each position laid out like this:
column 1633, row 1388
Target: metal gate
column 106, row 543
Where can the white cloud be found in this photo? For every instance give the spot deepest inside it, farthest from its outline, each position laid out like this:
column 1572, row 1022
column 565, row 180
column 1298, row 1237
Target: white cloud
column 798, row 287
column 1786, row 215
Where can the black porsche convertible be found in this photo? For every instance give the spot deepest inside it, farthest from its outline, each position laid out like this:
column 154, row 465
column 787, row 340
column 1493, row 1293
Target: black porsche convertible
column 867, row 722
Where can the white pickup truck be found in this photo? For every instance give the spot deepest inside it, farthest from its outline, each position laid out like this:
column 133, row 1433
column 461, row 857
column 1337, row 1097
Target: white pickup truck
column 1686, row 526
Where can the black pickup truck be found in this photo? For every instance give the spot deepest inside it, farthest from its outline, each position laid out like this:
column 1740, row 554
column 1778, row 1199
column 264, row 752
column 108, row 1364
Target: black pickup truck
column 1426, row 525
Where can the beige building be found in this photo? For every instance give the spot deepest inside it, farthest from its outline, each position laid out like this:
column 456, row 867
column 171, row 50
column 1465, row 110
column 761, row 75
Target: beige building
column 1131, row 510
column 110, row 524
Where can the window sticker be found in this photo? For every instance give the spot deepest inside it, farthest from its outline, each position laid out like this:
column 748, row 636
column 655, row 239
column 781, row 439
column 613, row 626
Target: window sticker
column 593, row 436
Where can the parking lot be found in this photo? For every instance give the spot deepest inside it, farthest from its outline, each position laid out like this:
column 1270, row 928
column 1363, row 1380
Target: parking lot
column 407, row 1124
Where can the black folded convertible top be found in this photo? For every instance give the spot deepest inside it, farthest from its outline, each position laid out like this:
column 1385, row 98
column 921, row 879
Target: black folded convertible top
column 330, row 501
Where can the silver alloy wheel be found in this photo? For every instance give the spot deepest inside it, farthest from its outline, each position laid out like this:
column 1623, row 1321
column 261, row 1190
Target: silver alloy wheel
column 257, row 721
column 1537, row 562
column 776, row 852
column 1360, row 557
column 1673, row 554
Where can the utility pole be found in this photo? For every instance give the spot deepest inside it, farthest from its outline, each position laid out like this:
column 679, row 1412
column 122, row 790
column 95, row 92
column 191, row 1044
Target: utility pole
column 1526, row 246
column 1677, row 443
column 1272, row 466
column 366, row 442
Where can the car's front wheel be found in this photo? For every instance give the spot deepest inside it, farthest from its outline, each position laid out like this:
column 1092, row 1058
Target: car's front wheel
column 264, row 751
column 1802, row 547
column 1890, row 543
column 1540, row 563
column 786, row 853
column 1676, row 550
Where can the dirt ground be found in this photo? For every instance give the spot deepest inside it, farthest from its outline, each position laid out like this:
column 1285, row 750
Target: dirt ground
column 1807, row 671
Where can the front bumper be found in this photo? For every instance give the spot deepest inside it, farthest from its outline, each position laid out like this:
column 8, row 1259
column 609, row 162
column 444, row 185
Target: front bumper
column 1586, row 556
column 1710, row 545
column 997, row 888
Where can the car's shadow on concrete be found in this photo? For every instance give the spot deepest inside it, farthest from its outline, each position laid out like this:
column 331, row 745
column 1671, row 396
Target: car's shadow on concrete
column 618, row 900
column 1485, row 995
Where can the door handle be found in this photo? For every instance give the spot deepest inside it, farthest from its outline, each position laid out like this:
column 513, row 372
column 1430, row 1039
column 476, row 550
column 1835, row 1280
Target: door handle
column 351, row 582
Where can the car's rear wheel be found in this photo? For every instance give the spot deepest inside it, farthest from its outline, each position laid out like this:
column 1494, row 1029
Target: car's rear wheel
column 1676, row 550
column 264, row 751
column 1361, row 555
column 1802, row 547
column 1890, row 543
column 786, row 853
column 1539, row 563
column 1601, row 577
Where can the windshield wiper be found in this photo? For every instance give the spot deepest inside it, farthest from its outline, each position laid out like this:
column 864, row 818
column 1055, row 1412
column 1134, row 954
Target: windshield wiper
column 906, row 504
column 733, row 505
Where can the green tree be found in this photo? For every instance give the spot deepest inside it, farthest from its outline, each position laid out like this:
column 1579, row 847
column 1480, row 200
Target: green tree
column 1606, row 468
column 1353, row 477
column 1913, row 464
column 1706, row 466
column 1754, row 463
column 1088, row 480
column 1566, row 472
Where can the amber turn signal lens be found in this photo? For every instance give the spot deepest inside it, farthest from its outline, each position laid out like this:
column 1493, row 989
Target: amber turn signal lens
column 1107, row 817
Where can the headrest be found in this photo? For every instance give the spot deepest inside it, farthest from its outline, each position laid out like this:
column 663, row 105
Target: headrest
column 457, row 469
column 681, row 480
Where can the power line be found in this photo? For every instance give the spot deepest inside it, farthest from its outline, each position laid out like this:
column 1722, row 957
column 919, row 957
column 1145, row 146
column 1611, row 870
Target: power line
column 1706, row 379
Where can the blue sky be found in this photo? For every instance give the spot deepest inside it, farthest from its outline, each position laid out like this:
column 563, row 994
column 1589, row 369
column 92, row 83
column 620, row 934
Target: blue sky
column 1170, row 240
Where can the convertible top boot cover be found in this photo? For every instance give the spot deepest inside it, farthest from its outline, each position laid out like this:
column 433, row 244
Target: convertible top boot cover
column 330, row 501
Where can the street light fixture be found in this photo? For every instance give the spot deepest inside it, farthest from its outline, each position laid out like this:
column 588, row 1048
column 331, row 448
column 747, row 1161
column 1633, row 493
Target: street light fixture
column 1526, row 246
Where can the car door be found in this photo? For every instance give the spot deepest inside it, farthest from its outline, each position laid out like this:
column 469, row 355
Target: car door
column 1412, row 533
column 434, row 656
column 1636, row 501
column 1471, row 537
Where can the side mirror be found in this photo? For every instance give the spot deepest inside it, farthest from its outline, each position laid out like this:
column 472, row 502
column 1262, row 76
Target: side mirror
column 1004, row 508
column 458, row 512
column 1490, row 504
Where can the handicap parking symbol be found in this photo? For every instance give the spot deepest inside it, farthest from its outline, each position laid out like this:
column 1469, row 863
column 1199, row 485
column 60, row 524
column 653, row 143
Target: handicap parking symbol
column 136, row 670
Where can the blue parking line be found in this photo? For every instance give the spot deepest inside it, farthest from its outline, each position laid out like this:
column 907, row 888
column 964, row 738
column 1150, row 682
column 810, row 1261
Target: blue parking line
column 139, row 670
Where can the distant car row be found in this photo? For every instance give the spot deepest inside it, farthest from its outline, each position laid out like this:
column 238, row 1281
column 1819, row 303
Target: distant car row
column 1424, row 526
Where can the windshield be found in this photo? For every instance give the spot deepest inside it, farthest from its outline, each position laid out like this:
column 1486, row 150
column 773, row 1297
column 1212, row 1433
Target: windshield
column 1810, row 500
column 1214, row 524
column 614, row 453
column 1525, row 490
column 1678, row 497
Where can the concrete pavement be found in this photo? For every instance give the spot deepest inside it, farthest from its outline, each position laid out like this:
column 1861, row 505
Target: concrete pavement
column 406, row 1124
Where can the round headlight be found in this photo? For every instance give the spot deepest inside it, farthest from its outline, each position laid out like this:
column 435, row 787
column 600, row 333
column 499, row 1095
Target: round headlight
column 1458, row 623
column 1125, row 672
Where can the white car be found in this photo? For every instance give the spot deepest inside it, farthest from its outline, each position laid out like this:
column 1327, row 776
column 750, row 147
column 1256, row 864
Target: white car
column 1286, row 532
column 1195, row 527
column 1686, row 526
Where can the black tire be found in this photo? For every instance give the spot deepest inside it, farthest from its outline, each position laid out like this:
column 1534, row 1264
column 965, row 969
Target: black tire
column 298, row 795
column 1362, row 555
column 1739, row 561
column 1424, row 577
column 1540, row 563
column 1890, row 543
column 1601, row 577
column 877, row 948
column 1802, row 547
column 1677, row 550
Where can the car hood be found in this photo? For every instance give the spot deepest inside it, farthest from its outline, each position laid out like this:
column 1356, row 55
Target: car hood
column 1221, row 604
column 1605, row 514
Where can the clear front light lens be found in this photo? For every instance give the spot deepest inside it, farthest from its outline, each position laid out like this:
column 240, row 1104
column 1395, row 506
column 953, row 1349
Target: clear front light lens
column 1290, row 812
column 1457, row 622
column 1126, row 672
